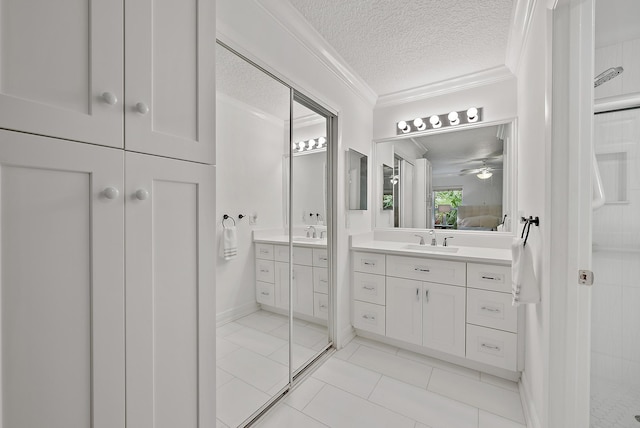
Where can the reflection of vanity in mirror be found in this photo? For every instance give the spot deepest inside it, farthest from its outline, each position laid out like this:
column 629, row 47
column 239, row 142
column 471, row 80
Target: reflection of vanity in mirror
column 458, row 179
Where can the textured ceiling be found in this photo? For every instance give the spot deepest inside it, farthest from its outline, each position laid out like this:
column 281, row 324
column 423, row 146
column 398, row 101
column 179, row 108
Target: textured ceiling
column 396, row 45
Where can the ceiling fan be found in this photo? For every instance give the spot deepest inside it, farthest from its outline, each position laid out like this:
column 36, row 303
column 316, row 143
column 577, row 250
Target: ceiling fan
column 482, row 172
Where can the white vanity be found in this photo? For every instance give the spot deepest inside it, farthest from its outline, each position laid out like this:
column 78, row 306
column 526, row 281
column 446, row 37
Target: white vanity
column 439, row 302
column 310, row 277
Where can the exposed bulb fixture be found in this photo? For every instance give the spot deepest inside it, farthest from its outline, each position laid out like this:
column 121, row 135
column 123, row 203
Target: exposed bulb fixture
column 321, row 141
column 435, row 121
column 484, row 174
column 310, row 146
column 419, row 124
column 472, row 115
column 453, row 118
column 403, row 126
column 312, row 143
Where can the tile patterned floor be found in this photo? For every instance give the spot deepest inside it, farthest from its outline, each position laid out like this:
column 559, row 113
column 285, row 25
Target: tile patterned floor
column 252, row 358
column 614, row 405
column 369, row 384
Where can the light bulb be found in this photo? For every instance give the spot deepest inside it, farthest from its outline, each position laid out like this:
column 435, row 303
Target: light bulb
column 435, row 121
column 453, row 118
column 301, row 145
column 484, row 174
column 312, row 143
column 419, row 124
column 321, row 141
column 403, row 126
column 472, row 114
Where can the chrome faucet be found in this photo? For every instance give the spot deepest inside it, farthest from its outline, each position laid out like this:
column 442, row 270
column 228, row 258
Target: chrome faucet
column 434, row 243
column 323, row 234
column 444, row 243
column 315, row 233
column 421, row 239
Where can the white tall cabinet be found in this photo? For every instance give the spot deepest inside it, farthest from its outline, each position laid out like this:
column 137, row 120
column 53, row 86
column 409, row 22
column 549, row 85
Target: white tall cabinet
column 107, row 293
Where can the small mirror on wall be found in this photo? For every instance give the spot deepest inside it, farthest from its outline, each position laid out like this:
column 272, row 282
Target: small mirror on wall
column 356, row 180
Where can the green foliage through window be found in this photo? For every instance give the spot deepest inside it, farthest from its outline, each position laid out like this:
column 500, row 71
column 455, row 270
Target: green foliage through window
column 451, row 197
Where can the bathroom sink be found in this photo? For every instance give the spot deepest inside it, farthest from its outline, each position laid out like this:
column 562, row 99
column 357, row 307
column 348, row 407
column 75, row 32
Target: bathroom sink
column 307, row 239
column 431, row 249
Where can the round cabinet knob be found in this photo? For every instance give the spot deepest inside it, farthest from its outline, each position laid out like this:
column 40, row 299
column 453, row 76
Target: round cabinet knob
column 110, row 98
column 110, row 193
column 142, row 195
column 142, row 108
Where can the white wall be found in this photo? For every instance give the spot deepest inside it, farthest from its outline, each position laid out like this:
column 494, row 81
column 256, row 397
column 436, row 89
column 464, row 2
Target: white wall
column 248, row 27
column 249, row 180
column 533, row 166
column 498, row 99
column 308, row 188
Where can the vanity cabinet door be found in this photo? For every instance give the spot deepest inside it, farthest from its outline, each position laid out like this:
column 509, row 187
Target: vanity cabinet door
column 443, row 317
column 281, row 273
column 303, row 289
column 404, row 310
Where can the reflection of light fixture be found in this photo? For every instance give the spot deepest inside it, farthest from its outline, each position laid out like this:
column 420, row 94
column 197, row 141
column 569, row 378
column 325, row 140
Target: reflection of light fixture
column 310, row 146
column 484, row 174
column 436, row 121
column 472, row 114
column 394, row 180
column 453, row 118
column 404, row 127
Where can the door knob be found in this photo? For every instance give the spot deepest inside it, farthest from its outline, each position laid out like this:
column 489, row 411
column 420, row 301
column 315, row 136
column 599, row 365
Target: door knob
column 142, row 108
column 110, row 98
column 142, row 194
column 110, row 193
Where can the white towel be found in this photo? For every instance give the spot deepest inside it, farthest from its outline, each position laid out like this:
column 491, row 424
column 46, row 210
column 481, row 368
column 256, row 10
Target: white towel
column 524, row 284
column 229, row 243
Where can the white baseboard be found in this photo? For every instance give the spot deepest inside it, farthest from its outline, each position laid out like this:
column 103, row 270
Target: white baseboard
column 235, row 313
column 528, row 406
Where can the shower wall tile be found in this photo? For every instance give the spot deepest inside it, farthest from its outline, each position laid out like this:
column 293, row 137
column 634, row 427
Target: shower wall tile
column 630, row 327
column 606, row 367
column 606, row 315
column 631, row 62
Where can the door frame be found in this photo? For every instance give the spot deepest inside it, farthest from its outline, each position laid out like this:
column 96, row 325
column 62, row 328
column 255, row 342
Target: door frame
column 569, row 357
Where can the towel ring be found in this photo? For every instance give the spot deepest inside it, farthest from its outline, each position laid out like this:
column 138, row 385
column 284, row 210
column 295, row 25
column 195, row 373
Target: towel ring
column 226, row 217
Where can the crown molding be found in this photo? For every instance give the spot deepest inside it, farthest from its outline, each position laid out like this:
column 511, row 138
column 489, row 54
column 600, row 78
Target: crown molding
column 519, row 32
column 252, row 110
column 295, row 24
column 468, row 81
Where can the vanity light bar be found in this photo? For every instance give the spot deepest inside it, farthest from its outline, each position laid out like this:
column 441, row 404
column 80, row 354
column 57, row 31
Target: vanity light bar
column 436, row 121
column 312, row 145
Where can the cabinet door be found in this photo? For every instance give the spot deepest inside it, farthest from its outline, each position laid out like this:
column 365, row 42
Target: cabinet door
column 170, row 277
column 282, row 285
column 62, row 283
column 57, row 59
column 170, row 78
column 404, row 310
column 443, row 318
column 303, row 289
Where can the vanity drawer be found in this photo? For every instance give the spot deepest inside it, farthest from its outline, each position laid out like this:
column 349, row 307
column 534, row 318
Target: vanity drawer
column 491, row 309
column 489, row 277
column 265, row 271
column 264, row 251
column 320, row 258
column 321, row 280
column 320, row 306
column 432, row 270
column 301, row 255
column 368, row 287
column 370, row 317
column 369, row 263
column 265, row 293
column 495, row 347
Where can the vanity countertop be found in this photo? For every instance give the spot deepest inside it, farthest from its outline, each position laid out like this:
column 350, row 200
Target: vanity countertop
column 463, row 254
column 298, row 241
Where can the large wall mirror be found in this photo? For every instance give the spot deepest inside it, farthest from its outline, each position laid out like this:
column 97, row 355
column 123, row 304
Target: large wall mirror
column 461, row 179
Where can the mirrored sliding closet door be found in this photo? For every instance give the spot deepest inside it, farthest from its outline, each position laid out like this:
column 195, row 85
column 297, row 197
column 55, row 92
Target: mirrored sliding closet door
column 273, row 281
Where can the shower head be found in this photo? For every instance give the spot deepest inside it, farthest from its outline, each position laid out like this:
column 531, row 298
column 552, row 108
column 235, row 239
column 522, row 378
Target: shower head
column 607, row 75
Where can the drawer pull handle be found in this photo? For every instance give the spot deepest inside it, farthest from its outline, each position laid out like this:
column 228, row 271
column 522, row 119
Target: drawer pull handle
column 492, row 347
column 490, row 309
column 264, row 251
column 491, row 278
column 323, row 306
column 368, row 263
column 264, row 270
column 324, row 259
column 369, row 317
column 417, row 294
column 426, row 295
column 324, row 280
column 369, row 288
column 419, row 269
column 264, row 293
